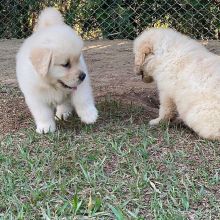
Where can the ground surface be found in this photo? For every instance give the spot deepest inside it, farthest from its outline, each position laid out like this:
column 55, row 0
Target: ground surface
column 119, row 168
column 110, row 65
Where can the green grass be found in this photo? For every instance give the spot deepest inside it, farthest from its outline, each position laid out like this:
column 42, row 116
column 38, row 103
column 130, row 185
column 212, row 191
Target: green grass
column 119, row 168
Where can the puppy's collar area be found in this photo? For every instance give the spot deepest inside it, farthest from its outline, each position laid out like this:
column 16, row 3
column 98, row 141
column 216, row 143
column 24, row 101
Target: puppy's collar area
column 66, row 86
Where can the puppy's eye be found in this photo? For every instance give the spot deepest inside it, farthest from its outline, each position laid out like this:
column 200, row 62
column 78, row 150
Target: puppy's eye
column 66, row 65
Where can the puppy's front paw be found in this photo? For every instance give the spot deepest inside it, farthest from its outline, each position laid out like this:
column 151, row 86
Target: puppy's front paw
column 43, row 128
column 88, row 115
column 155, row 121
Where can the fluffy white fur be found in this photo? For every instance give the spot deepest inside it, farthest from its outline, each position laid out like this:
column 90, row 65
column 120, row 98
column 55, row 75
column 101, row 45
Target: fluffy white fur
column 51, row 70
column 187, row 76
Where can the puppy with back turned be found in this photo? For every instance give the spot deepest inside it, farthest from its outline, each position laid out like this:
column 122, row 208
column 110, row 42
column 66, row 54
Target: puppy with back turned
column 187, row 76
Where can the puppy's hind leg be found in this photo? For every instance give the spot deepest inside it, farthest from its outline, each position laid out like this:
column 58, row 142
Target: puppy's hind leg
column 84, row 103
column 204, row 119
column 167, row 110
column 64, row 110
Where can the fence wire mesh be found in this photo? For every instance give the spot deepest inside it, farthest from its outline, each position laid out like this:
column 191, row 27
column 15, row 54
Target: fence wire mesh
column 111, row 19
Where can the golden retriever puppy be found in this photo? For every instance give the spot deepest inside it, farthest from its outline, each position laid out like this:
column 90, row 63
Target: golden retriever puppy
column 52, row 74
column 187, row 76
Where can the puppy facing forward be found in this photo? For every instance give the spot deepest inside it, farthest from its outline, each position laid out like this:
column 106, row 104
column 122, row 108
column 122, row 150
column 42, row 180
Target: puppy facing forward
column 187, row 76
column 52, row 74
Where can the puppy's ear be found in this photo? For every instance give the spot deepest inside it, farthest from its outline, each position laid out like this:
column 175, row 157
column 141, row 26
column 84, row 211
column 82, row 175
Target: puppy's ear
column 140, row 54
column 41, row 60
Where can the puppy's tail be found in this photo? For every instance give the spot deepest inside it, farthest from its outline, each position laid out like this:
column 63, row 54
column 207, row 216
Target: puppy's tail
column 48, row 17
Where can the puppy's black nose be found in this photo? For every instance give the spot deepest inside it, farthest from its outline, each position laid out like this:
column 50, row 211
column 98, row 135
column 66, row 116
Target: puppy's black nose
column 82, row 76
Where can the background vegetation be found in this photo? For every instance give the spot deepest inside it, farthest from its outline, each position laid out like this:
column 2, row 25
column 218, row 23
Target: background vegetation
column 113, row 19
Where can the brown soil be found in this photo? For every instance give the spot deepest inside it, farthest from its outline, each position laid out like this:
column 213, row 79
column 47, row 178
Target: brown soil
column 110, row 65
column 14, row 113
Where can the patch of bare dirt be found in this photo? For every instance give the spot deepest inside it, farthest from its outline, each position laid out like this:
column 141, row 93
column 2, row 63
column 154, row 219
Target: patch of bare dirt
column 14, row 114
column 110, row 65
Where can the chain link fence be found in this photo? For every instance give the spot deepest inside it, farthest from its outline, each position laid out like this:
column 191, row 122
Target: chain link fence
column 115, row 19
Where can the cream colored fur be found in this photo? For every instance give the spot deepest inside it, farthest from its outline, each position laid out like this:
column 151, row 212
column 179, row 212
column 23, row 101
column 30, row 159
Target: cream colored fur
column 49, row 66
column 187, row 76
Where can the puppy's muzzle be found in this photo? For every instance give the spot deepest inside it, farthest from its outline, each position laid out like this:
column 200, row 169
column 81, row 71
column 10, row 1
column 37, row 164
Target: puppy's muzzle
column 82, row 76
column 145, row 78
